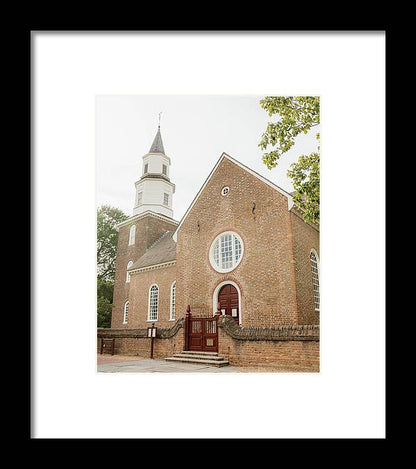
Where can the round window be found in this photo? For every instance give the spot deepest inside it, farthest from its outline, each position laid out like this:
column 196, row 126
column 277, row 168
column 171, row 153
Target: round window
column 226, row 251
column 225, row 190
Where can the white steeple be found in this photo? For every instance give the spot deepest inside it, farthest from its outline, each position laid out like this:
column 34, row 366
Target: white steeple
column 154, row 190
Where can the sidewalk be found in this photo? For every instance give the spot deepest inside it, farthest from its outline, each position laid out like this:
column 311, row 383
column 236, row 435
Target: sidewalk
column 126, row 364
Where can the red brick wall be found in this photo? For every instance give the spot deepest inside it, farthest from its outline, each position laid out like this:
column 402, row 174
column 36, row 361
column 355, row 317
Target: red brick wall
column 285, row 355
column 140, row 346
column 139, row 297
column 266, row 272
column 276, row 355
column 274, row 276
column 288, row 355
column 305, row 238
column 148, row 230
column 284, row 347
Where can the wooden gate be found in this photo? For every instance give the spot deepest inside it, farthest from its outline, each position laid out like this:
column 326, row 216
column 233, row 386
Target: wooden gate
column 201, row 334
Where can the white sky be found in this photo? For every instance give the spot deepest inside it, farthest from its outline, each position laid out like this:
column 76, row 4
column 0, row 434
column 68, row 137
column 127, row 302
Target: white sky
column 195, row 131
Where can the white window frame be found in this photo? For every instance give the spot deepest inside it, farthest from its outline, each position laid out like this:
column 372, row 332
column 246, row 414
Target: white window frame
column 132, row 235
column 157, row 303
column 139, row 197
column 126, row 312
column 166, row 196
column 319, row 278
column 129, row 264
column 219, row 267
column 172, row 301
column 164, row 169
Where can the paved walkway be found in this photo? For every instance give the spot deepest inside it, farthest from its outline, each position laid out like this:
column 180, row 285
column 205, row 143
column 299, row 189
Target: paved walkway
column 118, row 364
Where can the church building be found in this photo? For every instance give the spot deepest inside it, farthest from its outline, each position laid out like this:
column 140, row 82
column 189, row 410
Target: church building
column 235, row 280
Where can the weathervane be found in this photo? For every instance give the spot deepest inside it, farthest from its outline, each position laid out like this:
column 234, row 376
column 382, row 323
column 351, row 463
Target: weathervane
column 159, row 118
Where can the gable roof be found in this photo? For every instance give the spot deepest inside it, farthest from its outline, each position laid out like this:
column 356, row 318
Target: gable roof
column 162, row 251
column 246, row 168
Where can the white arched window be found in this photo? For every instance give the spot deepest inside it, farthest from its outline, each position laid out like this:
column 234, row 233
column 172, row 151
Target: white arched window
column 226, row 251
column 172, row 301
column 153, row 303
column 132, row 235
column 128, row 273
column 126, row 312
column 315, row 278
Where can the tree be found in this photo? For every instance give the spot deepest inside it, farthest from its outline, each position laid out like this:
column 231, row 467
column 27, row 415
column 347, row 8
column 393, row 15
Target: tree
column 297, row 115
column 104, row 302
column 107, row 219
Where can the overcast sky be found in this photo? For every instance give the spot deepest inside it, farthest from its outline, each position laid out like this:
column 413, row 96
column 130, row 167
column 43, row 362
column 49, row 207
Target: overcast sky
column 195, row 131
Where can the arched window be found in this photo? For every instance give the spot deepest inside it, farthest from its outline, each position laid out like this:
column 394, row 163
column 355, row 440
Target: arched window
column 132, row 235
column 172, row 301
column 128, row 273
column 315, row 278
column 126, row 312
column 226, row 251
column 153, row 303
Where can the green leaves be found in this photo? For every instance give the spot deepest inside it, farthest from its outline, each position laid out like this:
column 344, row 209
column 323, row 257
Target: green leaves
column 305, row 175
column 297, row 114
column 103, row 312
column 107, row 219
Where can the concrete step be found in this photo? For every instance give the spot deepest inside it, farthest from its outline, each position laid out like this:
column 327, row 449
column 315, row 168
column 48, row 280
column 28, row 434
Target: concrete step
column 199, row 356
column 204, row 361
column 192, row 352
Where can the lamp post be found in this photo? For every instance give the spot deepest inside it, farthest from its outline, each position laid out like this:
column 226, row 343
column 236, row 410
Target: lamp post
column 151, row 332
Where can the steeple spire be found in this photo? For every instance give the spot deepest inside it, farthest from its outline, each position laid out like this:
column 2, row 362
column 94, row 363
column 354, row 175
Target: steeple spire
column 154, row 191
column 157, row 145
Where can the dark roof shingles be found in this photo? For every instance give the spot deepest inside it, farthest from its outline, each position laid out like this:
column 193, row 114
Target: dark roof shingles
column 157, row 145
column 163, row 250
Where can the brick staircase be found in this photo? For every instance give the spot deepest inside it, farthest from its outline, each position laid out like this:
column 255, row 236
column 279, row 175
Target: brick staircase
column 201, row 358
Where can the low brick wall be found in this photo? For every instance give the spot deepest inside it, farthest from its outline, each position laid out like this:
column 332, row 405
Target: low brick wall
column 289, row 347
column 285, row 348
column 135, row 341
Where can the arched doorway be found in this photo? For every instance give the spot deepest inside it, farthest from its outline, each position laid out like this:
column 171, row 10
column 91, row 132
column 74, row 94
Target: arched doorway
column 228, row 300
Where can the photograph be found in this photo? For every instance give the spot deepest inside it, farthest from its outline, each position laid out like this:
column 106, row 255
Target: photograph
column 208, row 233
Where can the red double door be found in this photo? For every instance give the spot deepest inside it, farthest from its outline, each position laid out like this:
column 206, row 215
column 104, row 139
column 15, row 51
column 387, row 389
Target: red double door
column 228, row 300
